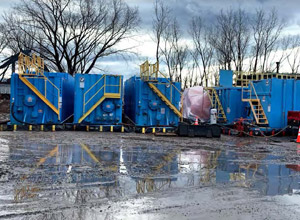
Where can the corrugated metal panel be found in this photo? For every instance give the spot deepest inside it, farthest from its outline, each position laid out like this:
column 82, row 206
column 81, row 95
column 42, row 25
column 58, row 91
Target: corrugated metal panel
column 231, row 99
column 100, row 93
column 27, row 107
column 278, row 96
column 145, row 108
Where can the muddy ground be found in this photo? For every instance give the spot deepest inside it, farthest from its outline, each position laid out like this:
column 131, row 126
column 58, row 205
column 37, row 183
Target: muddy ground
column 90, row 175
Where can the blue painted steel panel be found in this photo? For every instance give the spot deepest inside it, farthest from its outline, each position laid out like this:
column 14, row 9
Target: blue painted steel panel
column 27, row 107
column 226, row 77
column 145, row 108
column 231, row 99
column 278, row 96
column 109, row 112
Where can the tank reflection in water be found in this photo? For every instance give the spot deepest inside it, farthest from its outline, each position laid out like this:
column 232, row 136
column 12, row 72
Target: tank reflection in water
column 67, row 173
column 62, row 176
column 152, row 168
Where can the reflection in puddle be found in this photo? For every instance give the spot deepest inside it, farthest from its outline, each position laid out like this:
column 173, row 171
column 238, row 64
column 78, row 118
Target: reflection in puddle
column 80, row 173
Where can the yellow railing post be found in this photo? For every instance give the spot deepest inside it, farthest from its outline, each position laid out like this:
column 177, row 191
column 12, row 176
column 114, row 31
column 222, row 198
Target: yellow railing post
column 35, row 66
column 104, row 84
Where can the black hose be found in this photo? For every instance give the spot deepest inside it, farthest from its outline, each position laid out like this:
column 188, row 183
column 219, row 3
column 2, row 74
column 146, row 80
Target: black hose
column 13, row 115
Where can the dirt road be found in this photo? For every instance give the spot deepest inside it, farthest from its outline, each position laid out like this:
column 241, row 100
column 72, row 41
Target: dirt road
column 90, row 175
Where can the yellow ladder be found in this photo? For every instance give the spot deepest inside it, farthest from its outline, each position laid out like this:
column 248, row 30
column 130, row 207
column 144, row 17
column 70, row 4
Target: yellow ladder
column 105, row 96
column 39, row 94
column 255, row 104
column 34, row 68
column 164, row 99
column 216, row 103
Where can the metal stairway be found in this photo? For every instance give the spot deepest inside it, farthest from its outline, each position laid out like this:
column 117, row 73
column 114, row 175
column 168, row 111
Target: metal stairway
column 255, row 104
column 106, row 95
column 38, row 93
column 34, row 68
column 149, row 73
column 216, row 103
column 164, row 99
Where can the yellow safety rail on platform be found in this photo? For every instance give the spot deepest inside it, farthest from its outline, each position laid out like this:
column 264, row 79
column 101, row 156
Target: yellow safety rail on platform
column 149, row 73
column 216, row 103
column 34, row 68
column 255, row 104
column 164, row 99
column 106, row 95
column 243, row 78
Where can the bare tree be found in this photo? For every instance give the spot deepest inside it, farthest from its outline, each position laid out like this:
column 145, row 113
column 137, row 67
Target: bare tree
column 241, row 32
column 174, row 51
column 203, row 48
column 266, row 31
column 292, row 44
column 72, row 35
column 160, row 23
column 231, row 38
column 223, row 38
column 167, row 51
column 180, row 51
column 3, row 42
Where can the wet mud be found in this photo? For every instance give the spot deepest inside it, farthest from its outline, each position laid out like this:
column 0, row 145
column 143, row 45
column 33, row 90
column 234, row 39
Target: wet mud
column 90, row 175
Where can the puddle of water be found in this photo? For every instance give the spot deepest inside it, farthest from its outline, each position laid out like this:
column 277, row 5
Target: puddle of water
column 80, row 173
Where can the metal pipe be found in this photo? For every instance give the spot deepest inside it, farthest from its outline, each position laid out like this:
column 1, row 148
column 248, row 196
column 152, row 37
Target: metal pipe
column 277, row 67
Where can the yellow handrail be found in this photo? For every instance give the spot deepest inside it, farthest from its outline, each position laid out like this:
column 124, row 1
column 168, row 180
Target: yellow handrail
column 94, row 85
column 103, row 87
column 35, row 67
column 251, row 83
column 85, row 103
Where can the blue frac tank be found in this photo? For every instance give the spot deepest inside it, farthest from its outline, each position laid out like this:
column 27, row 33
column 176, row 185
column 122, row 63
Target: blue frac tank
column 231, row 99
column 41, row 99
column 98, row 99
column 278, row 96
column 147, row 103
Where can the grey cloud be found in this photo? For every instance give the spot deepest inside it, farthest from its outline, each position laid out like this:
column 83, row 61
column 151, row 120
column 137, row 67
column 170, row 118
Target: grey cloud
column 184, row 10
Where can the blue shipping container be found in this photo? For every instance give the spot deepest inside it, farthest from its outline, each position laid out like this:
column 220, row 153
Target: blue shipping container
column 231, row 99
column 278, row 96
column 98, row 99
column 145, row 108
column 41, row 100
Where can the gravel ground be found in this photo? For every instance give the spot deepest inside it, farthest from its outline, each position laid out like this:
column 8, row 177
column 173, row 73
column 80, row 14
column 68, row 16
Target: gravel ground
column 93, row 175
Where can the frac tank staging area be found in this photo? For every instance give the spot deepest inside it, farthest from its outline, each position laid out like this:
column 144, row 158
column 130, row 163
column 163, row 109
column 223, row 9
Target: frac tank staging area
column 81, row 175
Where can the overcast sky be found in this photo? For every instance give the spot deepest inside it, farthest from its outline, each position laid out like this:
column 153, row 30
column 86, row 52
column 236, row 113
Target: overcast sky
column 184, row 11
